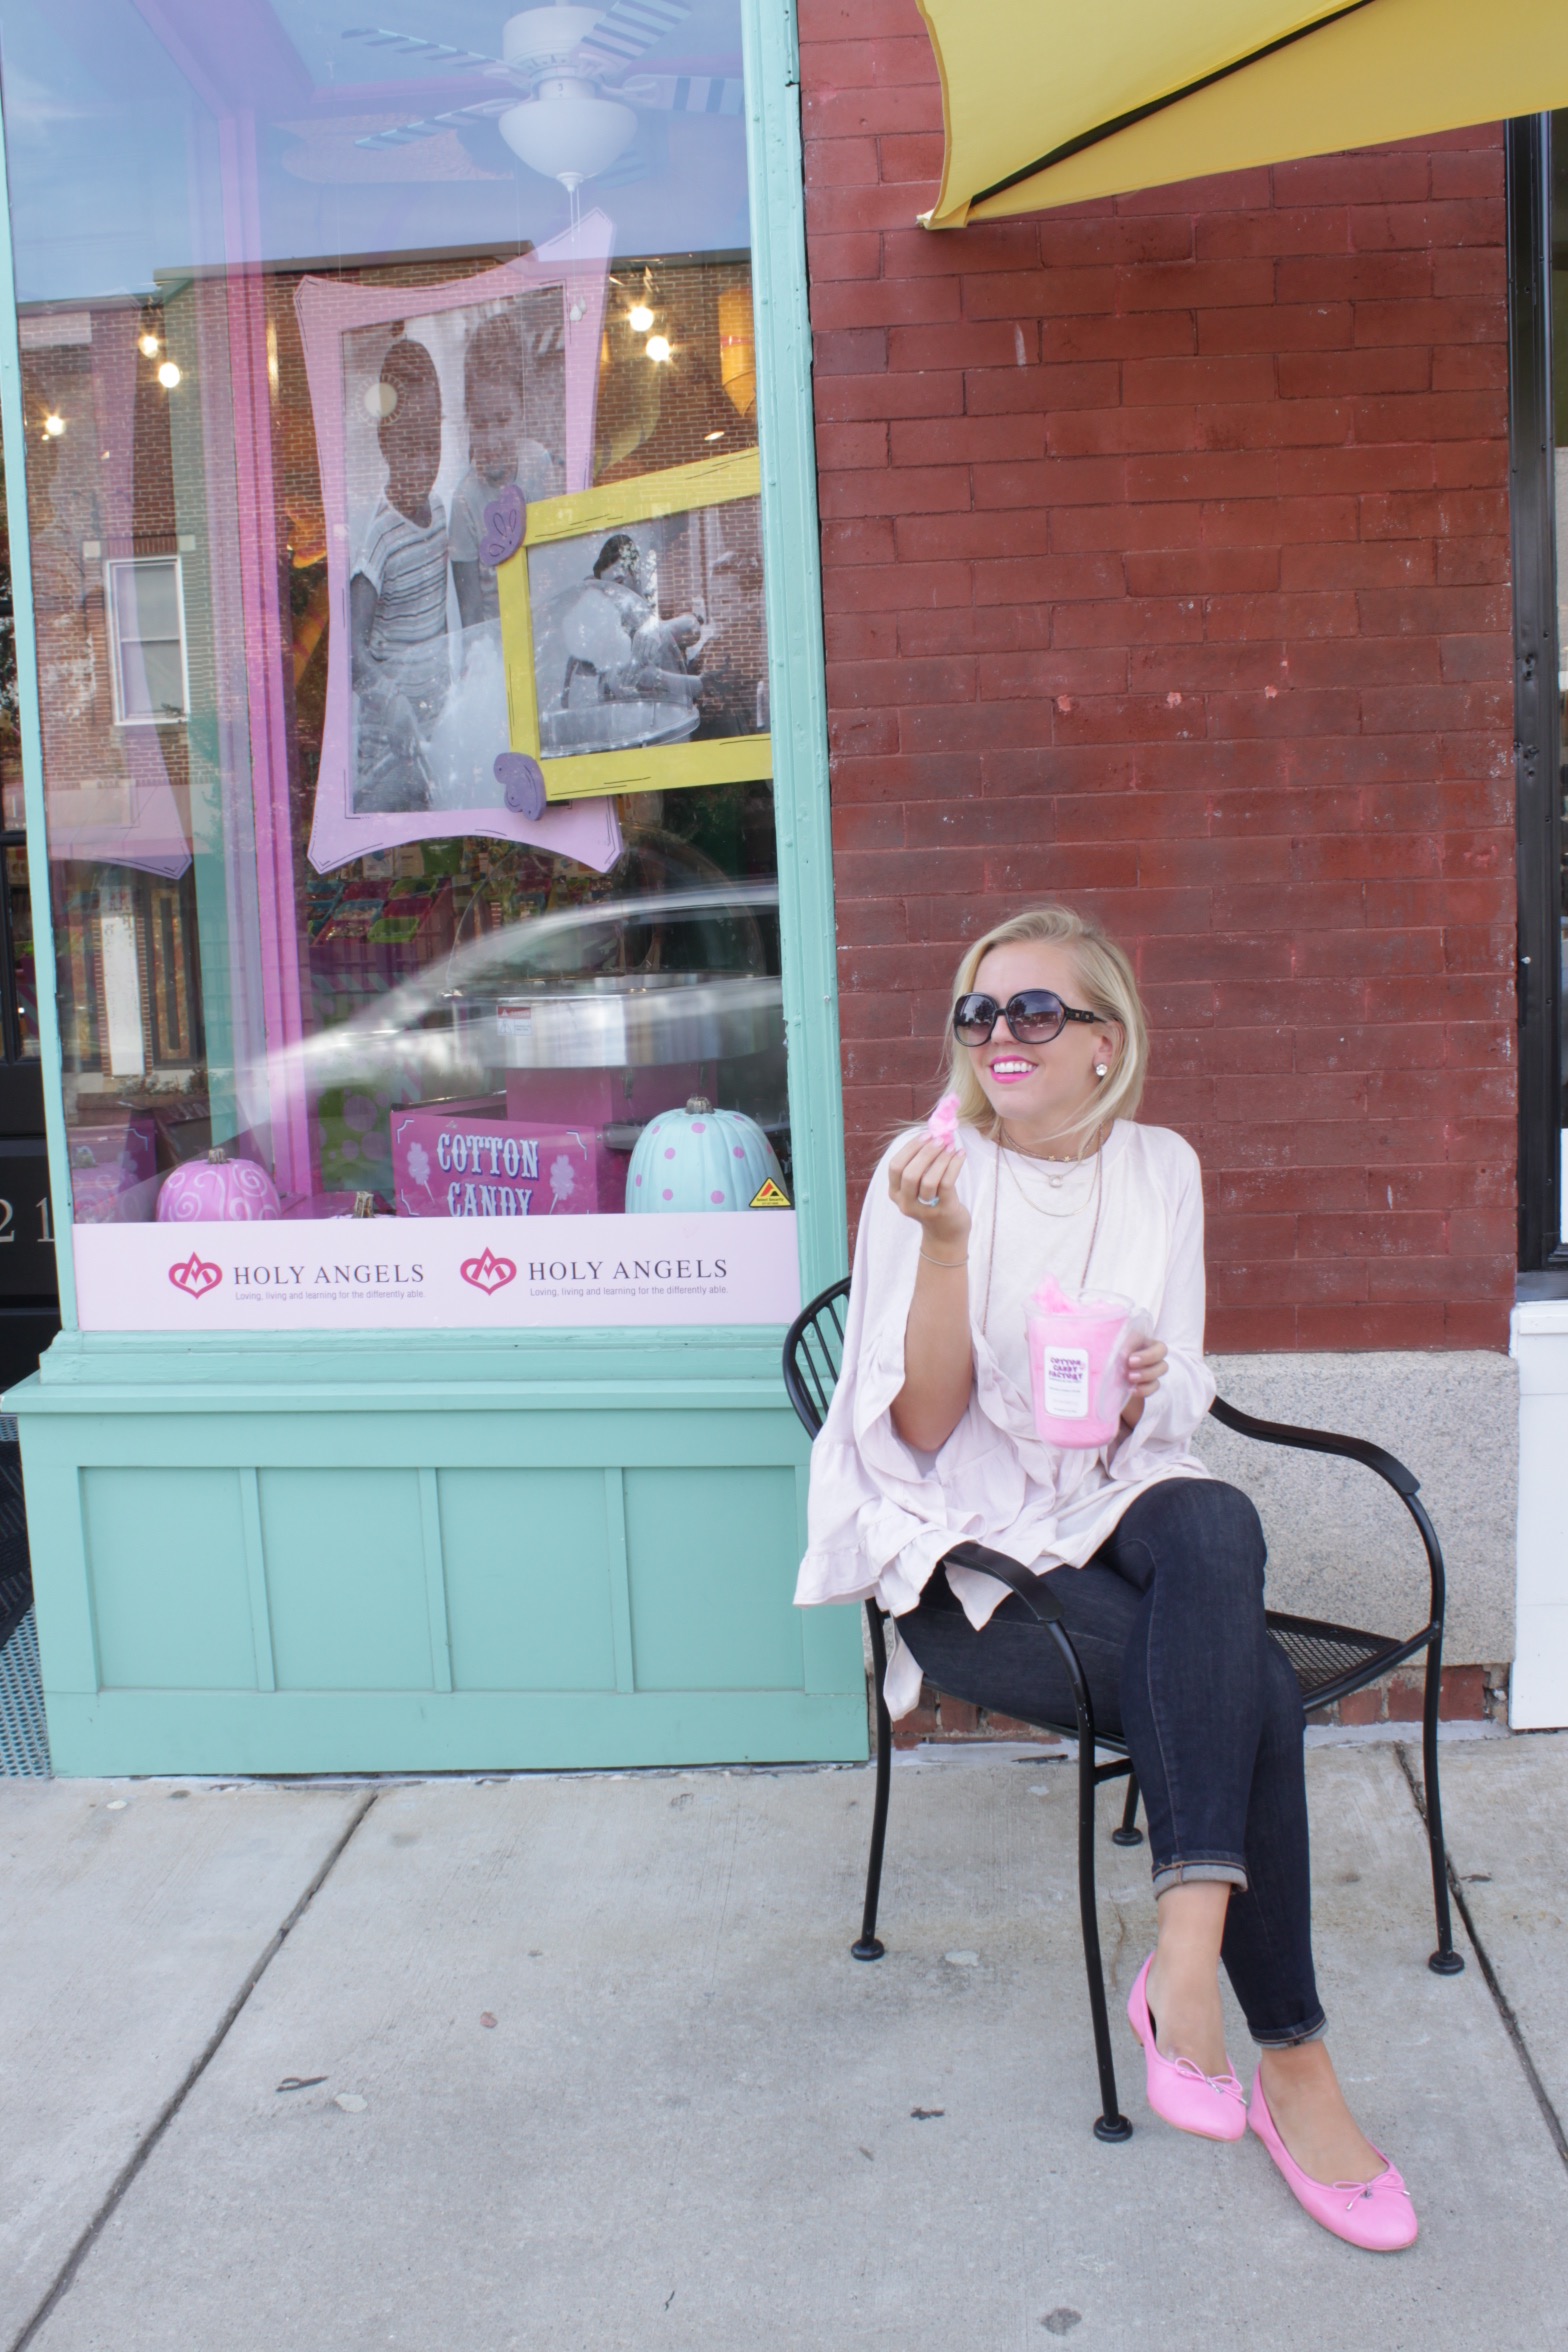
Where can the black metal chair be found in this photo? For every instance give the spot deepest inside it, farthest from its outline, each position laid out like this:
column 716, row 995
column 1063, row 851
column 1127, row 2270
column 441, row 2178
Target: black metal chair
column 1329, row 1662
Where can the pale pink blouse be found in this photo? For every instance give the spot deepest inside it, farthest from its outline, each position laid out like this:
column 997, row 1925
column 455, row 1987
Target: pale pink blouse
column 882, row 1514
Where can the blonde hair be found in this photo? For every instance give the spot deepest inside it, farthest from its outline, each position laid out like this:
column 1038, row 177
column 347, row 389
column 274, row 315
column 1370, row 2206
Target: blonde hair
column 1109, row 989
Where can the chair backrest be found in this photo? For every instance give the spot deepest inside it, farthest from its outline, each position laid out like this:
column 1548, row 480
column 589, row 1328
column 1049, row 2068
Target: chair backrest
column 813, row 1352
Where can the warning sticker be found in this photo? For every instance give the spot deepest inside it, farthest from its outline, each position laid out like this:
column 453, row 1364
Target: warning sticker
column 772, row 1196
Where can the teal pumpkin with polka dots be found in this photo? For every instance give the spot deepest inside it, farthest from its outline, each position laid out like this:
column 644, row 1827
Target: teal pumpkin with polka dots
column 699, row 1161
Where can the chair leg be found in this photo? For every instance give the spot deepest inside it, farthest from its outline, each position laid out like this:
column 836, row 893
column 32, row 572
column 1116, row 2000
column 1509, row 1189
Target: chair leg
column 1445, row 1961
column 1129, row 1834
column 1110, row 2124
column 869, row 1947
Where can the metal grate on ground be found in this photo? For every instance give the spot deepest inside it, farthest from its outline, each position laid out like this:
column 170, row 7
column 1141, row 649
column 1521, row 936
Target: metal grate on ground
column 24, row 1737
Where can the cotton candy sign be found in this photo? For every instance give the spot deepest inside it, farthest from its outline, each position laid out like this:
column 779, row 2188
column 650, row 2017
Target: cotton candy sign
column 449, row 1166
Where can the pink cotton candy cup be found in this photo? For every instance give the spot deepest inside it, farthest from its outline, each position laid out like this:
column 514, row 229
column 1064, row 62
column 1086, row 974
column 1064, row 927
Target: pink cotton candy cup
column 942, row 1126
column 1078, row 1352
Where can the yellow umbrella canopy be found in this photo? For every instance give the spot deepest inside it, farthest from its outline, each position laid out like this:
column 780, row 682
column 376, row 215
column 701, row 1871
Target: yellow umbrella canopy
column 1052, row 101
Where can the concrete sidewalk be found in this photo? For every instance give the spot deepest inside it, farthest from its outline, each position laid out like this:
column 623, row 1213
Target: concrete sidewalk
column 598, row 2072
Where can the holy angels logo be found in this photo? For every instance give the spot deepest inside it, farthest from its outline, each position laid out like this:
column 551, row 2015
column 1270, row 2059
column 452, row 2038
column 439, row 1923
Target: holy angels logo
column 488, row 1273
column 196, row 1275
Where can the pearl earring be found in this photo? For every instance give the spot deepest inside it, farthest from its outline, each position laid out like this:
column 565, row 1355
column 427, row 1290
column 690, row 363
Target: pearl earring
column 1102, row 1069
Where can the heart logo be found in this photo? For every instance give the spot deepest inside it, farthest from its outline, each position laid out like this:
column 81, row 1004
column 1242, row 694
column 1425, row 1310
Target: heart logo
column 506, row 519
column 522, row 781
column 488, row 1273
column 196, row 1276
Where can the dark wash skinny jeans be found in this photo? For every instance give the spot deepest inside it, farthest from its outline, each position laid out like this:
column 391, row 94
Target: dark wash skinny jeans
column 1167, row 1619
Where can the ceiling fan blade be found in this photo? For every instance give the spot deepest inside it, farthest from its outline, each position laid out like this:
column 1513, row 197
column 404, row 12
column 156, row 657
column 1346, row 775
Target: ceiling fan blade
column 431, row 126
column 410, row 45
column 630, row 28
column 683, row 93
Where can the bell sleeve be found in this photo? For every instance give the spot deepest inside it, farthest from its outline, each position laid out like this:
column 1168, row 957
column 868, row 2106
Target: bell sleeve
column 1165, row 1427
column 879, row 1516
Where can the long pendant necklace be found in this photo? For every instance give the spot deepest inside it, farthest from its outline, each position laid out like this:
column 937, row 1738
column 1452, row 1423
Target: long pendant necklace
column 1039, row 1207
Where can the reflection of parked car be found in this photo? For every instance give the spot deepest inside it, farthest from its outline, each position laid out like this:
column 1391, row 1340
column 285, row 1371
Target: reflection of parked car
column 673, row 977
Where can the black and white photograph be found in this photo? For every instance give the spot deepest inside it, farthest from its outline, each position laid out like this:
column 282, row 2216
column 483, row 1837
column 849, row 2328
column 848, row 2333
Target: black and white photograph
column 652, row 632
column 443, row 414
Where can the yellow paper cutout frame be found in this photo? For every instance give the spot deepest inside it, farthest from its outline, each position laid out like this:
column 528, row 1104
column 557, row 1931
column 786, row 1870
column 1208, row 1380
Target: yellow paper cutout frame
column 729, row 759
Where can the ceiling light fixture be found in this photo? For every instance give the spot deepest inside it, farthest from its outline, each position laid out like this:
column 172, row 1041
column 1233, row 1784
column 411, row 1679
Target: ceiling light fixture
column 566, row 129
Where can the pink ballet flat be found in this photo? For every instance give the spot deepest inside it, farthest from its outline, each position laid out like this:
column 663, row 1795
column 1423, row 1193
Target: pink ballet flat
column 1376, row 2214
column 1212, row 2105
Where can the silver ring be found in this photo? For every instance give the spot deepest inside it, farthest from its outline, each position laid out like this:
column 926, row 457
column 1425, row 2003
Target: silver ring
column 935, row 1202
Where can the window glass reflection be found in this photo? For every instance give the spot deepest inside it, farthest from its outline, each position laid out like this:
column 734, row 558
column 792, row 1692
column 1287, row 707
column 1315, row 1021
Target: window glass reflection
column 24, row 966
column 390, row 398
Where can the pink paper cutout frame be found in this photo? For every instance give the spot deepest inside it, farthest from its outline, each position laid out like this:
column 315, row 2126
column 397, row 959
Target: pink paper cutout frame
column 578, row 263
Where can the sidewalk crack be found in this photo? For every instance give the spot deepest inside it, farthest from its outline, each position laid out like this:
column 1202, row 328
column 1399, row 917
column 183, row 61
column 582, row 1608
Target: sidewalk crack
column 1503, row 2005
column 66, row 2276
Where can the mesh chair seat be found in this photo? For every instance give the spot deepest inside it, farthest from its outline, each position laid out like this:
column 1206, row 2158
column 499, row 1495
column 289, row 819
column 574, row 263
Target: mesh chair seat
column 1329, row 1660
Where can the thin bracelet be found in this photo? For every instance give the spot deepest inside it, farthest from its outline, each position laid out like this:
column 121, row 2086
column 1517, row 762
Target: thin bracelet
column 951, row 1264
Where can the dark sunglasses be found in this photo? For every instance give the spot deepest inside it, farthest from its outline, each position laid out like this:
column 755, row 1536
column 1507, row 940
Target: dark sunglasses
column 1034, row 1016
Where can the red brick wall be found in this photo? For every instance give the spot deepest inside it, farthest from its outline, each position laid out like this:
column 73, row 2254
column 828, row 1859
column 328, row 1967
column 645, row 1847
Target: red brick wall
column 1166, row 572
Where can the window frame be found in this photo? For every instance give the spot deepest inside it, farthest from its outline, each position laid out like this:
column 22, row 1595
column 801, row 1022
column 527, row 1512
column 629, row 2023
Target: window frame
column 113, row 565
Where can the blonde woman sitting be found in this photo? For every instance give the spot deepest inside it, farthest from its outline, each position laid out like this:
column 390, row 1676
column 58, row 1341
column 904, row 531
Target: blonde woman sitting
column 1157, row 1567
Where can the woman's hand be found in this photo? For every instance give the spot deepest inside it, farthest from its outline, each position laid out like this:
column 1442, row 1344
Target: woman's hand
column 923, row 1180
column 1145, row 1371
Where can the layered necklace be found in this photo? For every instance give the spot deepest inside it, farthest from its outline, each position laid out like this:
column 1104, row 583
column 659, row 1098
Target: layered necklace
column 1008, row 1154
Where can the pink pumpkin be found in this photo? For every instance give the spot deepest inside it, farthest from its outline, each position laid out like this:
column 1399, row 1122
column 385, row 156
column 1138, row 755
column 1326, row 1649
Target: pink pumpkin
column 217, row 1191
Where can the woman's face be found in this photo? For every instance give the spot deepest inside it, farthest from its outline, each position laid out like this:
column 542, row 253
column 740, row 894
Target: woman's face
column 1040, row 1089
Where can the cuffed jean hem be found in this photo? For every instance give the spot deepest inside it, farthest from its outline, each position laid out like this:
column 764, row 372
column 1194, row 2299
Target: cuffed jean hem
column 1292, row 2040
column 1185, row 1873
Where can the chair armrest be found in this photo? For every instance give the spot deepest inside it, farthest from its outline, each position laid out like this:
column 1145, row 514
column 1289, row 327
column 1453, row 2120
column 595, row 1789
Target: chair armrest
column 1372, row 1457
column 1319, row 1441
column 1037, row 1597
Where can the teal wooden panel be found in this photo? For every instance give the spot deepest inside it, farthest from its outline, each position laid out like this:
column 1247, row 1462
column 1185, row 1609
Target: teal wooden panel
column 62, row 1589
column 711, row 1557
column 346, row 1579
column 166, row 1566
column 114, row 1732
column 527, row 1579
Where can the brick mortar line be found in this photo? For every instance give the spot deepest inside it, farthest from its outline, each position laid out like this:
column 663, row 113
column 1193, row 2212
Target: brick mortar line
column 65, row 2278
column 1504, row 2006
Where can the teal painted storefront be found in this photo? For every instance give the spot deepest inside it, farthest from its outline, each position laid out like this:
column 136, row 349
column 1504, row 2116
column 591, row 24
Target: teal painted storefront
column 593, row 1566
column 454, row 1551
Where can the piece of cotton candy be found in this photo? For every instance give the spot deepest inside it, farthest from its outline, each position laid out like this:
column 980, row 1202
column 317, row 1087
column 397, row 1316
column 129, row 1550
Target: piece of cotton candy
column 942, row 1126
column 1051, row 1299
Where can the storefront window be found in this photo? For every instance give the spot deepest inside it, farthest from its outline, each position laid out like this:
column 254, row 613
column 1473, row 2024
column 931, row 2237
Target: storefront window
column 392, row 472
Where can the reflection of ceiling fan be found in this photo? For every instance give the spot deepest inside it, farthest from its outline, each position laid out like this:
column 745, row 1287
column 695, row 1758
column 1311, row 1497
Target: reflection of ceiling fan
column 565, row 125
